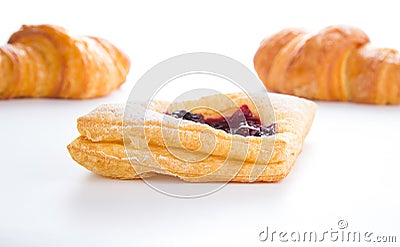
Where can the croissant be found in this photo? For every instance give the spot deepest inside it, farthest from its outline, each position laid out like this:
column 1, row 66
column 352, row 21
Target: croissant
column 338, row 63
column 47, row 61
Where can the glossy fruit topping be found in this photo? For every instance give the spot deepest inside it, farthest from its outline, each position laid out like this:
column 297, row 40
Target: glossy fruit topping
column 242, row 122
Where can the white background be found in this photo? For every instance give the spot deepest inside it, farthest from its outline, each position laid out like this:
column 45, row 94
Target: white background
column 349, row 168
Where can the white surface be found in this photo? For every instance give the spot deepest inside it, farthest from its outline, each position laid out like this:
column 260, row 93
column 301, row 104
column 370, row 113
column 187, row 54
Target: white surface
column 348, row 170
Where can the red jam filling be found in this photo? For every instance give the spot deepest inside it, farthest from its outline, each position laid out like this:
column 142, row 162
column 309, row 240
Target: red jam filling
column 242, row 122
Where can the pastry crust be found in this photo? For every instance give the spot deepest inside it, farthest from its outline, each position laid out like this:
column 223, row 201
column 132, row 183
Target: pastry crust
column 197, row 152
column 48, row 61
column 337, row 63
column 105, row 159
column 109, row 159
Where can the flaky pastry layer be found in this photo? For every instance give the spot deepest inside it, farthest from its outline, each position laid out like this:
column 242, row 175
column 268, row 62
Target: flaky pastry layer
column 231, row 157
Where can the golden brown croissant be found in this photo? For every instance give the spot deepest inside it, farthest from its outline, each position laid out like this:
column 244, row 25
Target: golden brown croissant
column 337, row 63
column 47, row 61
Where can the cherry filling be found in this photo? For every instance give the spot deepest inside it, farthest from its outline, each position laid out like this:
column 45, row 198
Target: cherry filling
column 242, row 122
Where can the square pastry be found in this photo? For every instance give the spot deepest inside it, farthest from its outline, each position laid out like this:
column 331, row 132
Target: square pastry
column 218, row 138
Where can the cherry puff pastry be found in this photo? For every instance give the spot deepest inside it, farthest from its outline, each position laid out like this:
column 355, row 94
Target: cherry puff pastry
column 191, row 140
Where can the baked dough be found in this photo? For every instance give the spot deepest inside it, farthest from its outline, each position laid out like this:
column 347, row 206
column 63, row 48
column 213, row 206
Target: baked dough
column 48, row 61
column 192, row 151
column 336, row 63
column 103, row 158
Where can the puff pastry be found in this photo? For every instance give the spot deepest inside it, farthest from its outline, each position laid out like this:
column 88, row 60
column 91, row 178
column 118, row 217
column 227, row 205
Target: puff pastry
column 48, row 61
column 337, row 63
column 194, row 152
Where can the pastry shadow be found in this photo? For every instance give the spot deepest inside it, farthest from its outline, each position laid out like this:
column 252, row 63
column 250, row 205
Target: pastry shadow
column 96, row 196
